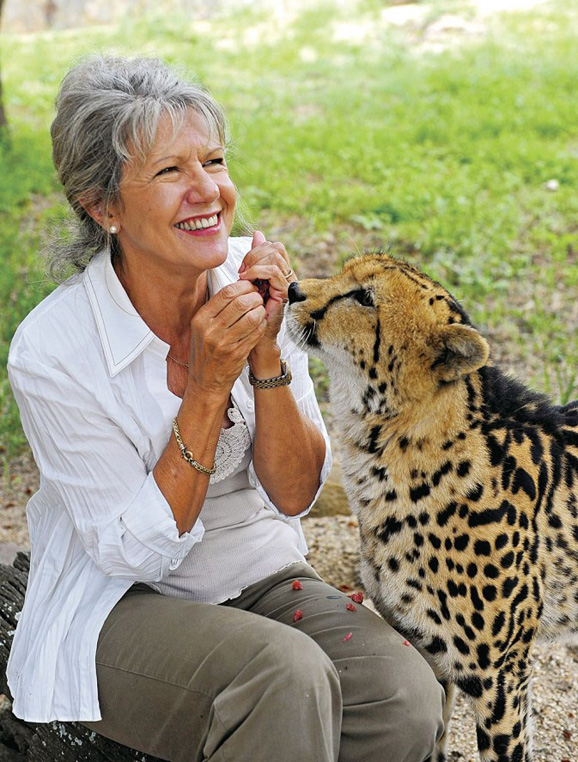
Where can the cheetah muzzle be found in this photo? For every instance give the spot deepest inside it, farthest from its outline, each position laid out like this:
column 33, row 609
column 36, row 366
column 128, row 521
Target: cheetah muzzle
column 465, row 484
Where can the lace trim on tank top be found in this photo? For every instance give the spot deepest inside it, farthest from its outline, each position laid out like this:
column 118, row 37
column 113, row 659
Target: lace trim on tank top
column 232, row 445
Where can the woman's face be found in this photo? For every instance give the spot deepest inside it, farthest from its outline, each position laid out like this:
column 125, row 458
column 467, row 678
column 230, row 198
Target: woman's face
column 176, row 209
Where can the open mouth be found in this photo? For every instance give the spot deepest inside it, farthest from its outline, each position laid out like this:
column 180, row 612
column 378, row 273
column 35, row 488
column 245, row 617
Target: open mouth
column 209, row 223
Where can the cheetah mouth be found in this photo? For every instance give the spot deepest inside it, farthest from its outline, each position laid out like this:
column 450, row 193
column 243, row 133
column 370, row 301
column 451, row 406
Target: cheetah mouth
column 309, row 333
column 305, row 336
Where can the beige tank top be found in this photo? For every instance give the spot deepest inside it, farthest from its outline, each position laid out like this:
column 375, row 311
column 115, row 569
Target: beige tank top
column 244, row 540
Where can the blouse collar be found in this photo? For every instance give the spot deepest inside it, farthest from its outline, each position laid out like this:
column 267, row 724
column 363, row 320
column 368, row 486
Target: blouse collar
column 123, row 333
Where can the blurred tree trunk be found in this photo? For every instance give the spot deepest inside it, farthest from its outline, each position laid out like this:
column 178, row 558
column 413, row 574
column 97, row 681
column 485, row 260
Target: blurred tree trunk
column 3, row 120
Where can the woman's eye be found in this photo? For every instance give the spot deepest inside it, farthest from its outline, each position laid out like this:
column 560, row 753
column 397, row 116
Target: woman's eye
column 211, row 162
column 365, row 298
column 166, row 170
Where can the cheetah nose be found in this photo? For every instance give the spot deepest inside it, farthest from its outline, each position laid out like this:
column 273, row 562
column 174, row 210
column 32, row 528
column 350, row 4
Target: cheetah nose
column 295, row 294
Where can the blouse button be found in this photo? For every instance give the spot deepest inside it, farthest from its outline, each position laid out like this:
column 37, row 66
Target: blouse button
column 250, row 404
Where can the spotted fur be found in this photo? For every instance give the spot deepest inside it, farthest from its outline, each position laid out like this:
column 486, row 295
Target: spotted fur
column 464, row 481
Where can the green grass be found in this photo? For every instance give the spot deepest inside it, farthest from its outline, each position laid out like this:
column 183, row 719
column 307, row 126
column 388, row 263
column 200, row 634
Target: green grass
column 25, row 212
column 347, row 144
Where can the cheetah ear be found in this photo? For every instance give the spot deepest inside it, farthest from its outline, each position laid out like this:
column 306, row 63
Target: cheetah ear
column 460, row 350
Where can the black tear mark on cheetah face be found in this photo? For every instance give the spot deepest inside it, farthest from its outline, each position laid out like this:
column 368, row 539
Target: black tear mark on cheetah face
column 465, row 483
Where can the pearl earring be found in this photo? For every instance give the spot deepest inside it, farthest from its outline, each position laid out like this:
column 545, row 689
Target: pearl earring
column 113, row 229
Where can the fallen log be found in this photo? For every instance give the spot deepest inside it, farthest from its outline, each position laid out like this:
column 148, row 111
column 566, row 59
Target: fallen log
column 28, row 742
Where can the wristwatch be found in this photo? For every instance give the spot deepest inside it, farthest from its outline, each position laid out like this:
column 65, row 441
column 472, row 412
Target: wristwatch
column 271, row 383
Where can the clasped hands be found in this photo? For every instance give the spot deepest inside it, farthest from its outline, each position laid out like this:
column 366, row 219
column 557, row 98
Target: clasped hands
column 242, row 320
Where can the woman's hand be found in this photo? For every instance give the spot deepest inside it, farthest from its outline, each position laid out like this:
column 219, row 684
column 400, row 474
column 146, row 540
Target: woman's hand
column 269, row 262
column 223, row 333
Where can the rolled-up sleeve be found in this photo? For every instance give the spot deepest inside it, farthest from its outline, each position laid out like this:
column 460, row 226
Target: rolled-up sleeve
column 304, row 394
column 92, row 469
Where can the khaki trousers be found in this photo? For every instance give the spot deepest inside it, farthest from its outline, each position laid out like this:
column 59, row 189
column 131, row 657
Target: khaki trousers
column 244, row 682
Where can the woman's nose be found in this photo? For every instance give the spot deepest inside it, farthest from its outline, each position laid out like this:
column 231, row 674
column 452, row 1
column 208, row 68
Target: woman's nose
column 202, row 187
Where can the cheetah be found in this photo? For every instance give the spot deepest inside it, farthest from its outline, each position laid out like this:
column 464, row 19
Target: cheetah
column 464, row 482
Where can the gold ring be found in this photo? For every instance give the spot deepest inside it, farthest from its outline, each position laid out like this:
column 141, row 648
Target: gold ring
column 290, row 275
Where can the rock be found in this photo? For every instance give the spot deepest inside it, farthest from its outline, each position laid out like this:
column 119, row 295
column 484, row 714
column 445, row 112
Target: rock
column 333, row 500
column 8, row 551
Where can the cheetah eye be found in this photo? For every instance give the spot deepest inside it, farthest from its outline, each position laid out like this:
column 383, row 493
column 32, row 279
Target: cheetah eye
column 365, row 298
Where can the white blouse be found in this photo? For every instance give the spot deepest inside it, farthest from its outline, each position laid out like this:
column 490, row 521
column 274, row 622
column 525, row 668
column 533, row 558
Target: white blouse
column 89, row 377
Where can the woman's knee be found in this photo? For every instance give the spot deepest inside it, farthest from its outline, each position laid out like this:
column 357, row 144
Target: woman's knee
column 422, row 702
column 291, row 688
column 394, row 711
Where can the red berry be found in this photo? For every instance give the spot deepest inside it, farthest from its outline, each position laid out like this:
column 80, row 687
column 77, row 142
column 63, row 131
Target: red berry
column 297, row 585
column 348, row 637
column 406, row 643
column 262, row 287
column 351, row 607
column 297, row 615
column 357, row 597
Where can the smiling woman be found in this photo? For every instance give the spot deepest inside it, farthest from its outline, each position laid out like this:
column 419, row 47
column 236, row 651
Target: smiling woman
column 178, row 438
column 90, row 163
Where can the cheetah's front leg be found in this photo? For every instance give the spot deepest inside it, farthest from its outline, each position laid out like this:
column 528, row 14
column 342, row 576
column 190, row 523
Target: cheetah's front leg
column 502, row 711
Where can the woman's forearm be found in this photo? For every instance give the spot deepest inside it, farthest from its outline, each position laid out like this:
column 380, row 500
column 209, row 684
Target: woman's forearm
column 184, row 488
column 223, row 332
column 288, row 449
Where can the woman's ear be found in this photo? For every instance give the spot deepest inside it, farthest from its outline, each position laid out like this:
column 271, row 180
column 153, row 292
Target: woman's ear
column 95, row 209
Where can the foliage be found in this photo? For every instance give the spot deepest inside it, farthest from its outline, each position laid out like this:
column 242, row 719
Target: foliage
column 345, row 126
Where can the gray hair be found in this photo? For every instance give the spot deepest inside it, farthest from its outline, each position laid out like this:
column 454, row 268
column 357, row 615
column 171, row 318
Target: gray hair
column 108, row 113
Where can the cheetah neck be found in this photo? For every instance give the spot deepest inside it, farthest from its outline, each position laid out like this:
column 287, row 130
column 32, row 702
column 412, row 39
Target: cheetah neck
column 393, row 456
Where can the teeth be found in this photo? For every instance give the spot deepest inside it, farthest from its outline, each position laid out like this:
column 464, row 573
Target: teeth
column 198, row 224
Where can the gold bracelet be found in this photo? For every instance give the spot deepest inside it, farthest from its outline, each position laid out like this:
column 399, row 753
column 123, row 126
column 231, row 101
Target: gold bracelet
column 187, row 454
column 271, row 383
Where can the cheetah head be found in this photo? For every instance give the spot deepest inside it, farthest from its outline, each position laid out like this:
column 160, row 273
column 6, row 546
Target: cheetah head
column 389, row 335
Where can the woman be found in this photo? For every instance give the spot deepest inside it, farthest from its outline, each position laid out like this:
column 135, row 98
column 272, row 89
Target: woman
column 176, row 431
